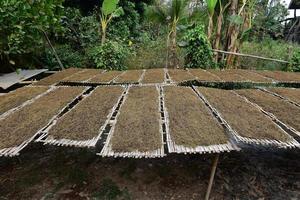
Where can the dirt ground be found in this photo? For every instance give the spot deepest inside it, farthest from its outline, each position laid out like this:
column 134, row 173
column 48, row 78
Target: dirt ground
column 43, row 172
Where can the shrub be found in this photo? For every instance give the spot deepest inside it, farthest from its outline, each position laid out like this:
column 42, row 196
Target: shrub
column 267, row 48
column 67, row 55
column 109, row 56
column 296, row 61
column 198, row 50
column 149, row 53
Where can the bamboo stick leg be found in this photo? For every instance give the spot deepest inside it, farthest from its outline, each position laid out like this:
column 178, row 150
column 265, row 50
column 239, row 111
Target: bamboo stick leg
column 212, row 175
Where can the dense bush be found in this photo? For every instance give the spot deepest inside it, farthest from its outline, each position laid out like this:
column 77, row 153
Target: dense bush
column 69, row 57
column 267, row 48
column 109, row 56
column 149, row 53
column 23, row 24
column 296, row 61
column 198, row 50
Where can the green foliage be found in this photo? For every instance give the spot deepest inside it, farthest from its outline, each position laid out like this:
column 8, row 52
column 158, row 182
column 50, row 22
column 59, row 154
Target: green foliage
column 198, row 50
column 69, row 57
column 88, row 31
column 296, row 61
column 23, row 22
column 109, row 6
column 267, row 48
column 149, row 53
column 211, row 4
column 109, row 56
column 267, row 20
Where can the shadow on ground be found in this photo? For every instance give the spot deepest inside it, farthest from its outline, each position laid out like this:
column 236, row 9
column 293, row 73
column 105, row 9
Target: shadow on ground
column 64, row 173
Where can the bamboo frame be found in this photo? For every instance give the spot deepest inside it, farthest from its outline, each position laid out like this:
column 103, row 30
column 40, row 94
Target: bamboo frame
column 174, row 148
column 15, row 151
column 280, row 96
column 30, row 101
column 241, row 139
column 77, row 143
column 107, row 150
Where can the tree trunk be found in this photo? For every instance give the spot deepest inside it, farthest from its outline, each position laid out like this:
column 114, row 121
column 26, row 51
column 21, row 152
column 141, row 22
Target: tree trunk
column 174, row 61
column 232, row 35
column 218, row 34
column 210, row 28
column 103, row 37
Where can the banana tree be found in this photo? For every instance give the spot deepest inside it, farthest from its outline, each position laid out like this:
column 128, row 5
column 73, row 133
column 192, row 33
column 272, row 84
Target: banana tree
column 171, row 15
column 211, row 5
column 109, row 10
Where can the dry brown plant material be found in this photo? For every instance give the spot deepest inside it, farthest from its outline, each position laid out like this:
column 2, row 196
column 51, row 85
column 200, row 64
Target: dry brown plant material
column 282, row 109
column 130, row 76
column 83, row 75
column 243, row 117
column 24, row 123
column 19, row 96
column 292, row 94
column 58, row 76
column 105, row 77
column 203, row 75
column 252, row 76
column 282, row 76
column 180, row 75
column 228, row 75
column 138, row 127
column 191, row 124
column 84, row 121
column 154, row 76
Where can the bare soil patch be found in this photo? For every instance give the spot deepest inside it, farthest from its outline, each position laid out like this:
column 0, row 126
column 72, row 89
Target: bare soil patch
column 203, row 75
column 138, row 126
column 19, row 96
column 83, row 75
column 252, row 76
column 24, row 123
column 228, row 75
column 154, row 76
column 85, row 120
column 191, row 124
column 180, row 75
column 283, row 110
column 106, row 77
column 292, row 94
column 65, row 173
column 282, row 76
column 130, row 76
column 55, row 78
column 243, row 117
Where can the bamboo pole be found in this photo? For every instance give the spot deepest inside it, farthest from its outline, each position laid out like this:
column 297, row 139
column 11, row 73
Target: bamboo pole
column 251, row 56
column 212, row 175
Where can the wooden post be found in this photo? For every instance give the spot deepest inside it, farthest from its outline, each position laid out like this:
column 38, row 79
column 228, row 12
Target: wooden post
column 212, row 175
